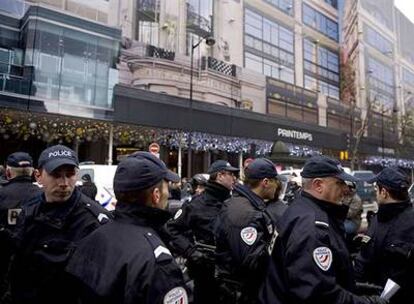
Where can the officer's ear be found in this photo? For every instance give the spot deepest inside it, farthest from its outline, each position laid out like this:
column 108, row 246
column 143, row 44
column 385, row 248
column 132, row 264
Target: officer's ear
column 317, row 185
column 38, row 176
column 155, row 196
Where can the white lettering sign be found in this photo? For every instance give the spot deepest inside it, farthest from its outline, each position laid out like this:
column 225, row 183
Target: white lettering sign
column 294, row 134
column 60, row 153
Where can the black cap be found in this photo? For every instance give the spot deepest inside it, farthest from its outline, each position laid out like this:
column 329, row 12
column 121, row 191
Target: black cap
column 19, row 160
column 261, row 168
column 221, row 165
column 323, row 166
column 56, row 156
column 392, row 178
column 141, row 170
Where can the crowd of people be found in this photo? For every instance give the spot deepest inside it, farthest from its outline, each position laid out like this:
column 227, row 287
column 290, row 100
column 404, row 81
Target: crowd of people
column 233, row 241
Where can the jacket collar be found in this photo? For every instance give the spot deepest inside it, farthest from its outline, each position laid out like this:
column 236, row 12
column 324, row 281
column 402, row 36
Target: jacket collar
column 253, row 198
column 217, row 191
column 20, row 179
column 54, row 214
column 141, row 215
column 339, row 212
column 388, row 211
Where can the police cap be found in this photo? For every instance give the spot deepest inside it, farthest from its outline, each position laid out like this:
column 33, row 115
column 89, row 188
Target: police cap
column 323, row 166
column 221, row 165
column 56, row 156
column 261, row 168
column 141, row 170
column 392, row 178
column 19, row 160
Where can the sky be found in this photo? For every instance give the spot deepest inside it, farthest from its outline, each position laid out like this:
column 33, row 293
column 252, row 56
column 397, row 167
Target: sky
column 406, row 7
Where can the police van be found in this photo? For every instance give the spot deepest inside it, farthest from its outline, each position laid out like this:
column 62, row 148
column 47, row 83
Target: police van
column 103, row 177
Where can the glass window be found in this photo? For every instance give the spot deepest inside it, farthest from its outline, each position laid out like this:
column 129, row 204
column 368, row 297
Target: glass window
column 200, row 15
column 285, row 6
column 320, row 22
column 327, row 69
column 408, row 77
column 274, row 43
column 377, row 41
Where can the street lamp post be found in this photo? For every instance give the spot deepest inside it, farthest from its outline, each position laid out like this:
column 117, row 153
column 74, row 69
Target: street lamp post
column 382, row 130
column 210, row 41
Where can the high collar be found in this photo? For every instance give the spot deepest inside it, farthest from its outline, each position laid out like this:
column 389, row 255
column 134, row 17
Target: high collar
column 20, row 179
column 253, row 198
column 218, row 191
column 339, row 212
column 388, row 211
column 56, row 212
column 141, row 215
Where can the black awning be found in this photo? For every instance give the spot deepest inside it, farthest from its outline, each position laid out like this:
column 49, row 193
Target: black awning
column 147, row 108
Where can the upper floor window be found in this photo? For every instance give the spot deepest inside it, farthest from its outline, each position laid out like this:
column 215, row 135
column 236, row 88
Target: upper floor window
column 408, row 77
column 376, row 40
column 147, row 25
column 200, row 15
column 269, row 47
column 320, row 22
column 333, row 3
column 284, row 5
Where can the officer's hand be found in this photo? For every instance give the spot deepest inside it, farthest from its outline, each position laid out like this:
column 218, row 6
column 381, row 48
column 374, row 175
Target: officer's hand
column 368, row 289
column 196, row 257
column 376, row 300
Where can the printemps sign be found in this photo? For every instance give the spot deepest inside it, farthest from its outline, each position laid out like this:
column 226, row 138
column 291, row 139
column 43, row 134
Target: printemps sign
column 294, row 134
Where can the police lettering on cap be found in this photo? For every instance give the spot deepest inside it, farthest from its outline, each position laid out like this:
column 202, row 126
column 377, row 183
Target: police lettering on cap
column 141, row 170
column 56, row 156
column 19, row 160
column 221, row 165
column 323, row 166
column 392, row 178
column 261, row 168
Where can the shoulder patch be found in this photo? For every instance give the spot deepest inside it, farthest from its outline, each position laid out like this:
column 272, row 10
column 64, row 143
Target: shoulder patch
column 323, row 258
column 249, row 235
column 177, row 295
column 12, row 215
column 98, row 212
column 321, row 224
column 161, row 250
column 178, row 214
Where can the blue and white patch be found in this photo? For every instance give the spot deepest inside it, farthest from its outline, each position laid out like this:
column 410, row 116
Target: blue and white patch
column 177, row 295
column 323, row 257
column 249, row 235
column 178, row 214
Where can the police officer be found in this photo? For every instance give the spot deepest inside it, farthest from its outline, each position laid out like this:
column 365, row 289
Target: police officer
column 48, row 228
column 18, row 189
column 88, row 187
column 192, row 230
column 387, row 251
column 244, row 233
column 310, row 261
column 126, row 261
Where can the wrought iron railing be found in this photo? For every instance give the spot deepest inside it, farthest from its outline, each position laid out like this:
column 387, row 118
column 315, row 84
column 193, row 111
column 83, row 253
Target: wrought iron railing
column 157, row 52
column 218, row 66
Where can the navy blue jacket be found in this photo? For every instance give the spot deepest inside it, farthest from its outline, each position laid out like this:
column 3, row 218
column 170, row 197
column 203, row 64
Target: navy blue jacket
column 195, row 221
column 388, row 251
column 310, row 260
column 126, row 261
column 45, row 236
column 244, row 232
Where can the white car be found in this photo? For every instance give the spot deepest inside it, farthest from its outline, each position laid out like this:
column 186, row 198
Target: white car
column 103, row 177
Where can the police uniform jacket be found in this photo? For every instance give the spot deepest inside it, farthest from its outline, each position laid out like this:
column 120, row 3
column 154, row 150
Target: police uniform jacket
column 387, row 251
column 45, row 236
column 244, row 233
column 12, row 195
column 196, row 220
column 126, row 261
column 310, row 260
